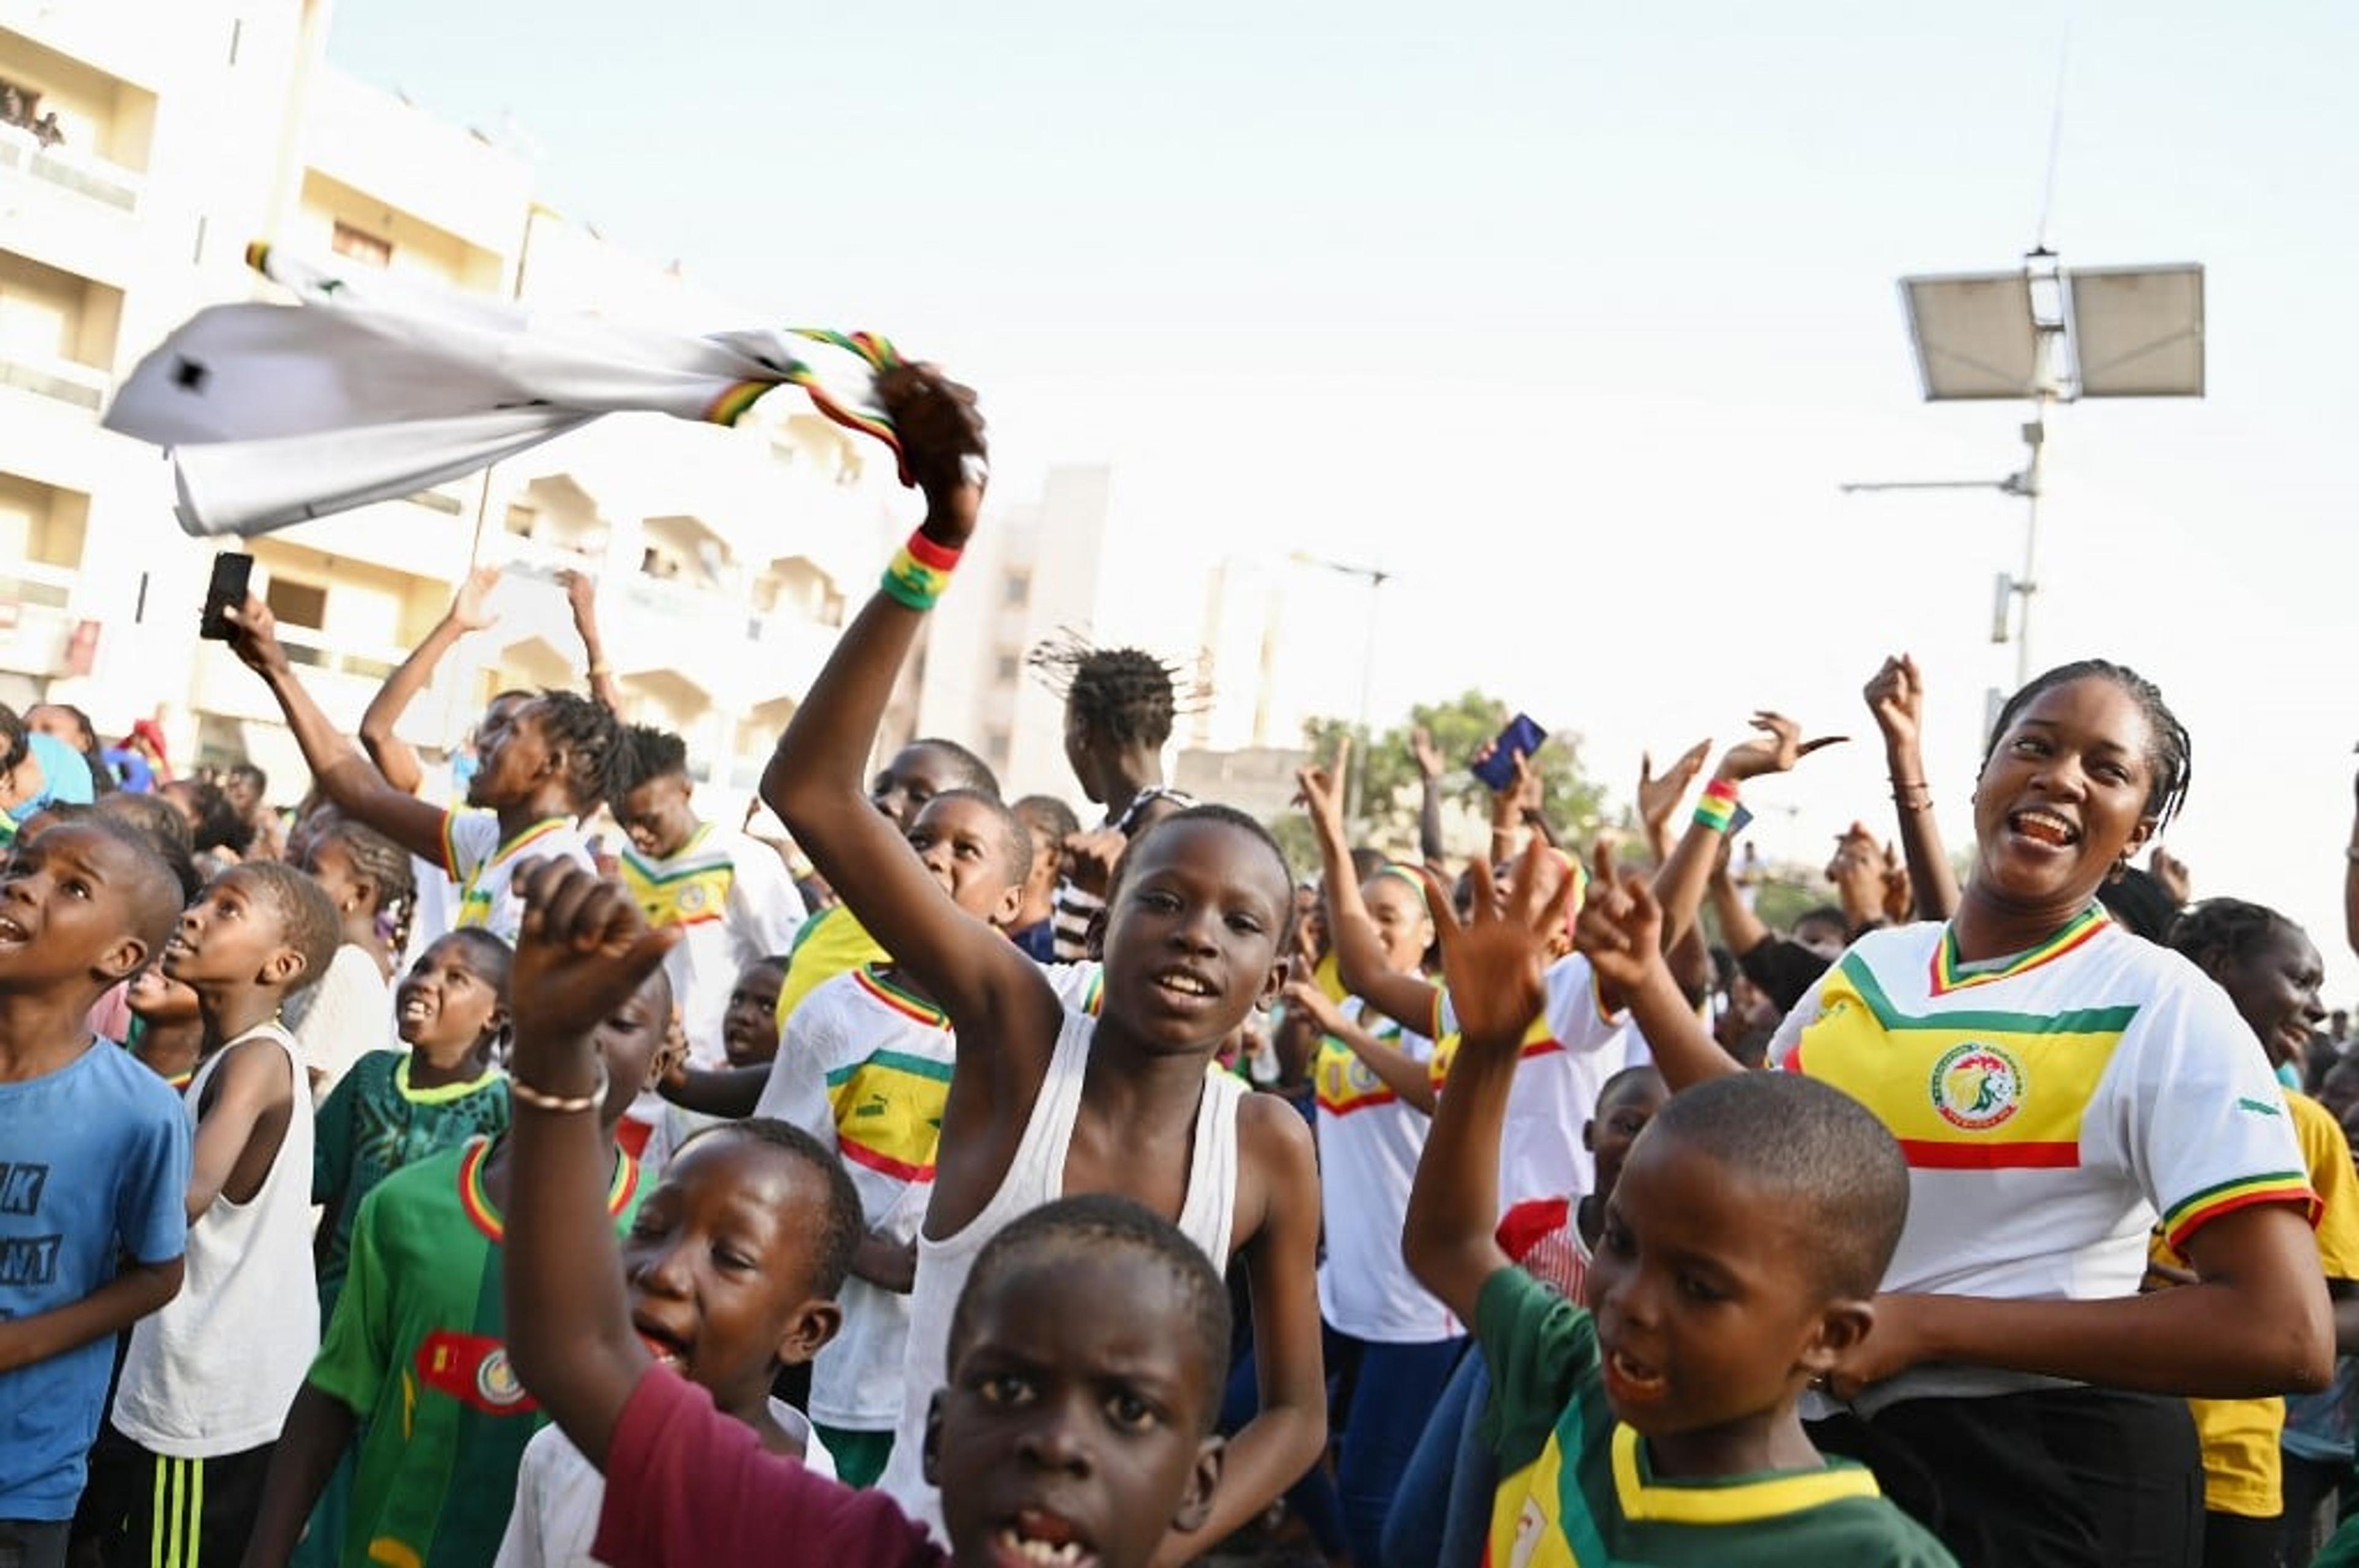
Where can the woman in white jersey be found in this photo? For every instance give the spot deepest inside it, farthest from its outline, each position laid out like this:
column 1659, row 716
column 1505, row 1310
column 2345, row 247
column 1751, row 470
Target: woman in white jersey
column 2059, row 1086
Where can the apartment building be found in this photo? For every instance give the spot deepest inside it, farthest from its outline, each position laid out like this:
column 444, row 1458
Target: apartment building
column 143, row 143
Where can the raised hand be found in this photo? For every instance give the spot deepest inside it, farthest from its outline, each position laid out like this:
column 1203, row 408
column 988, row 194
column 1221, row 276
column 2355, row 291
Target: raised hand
column 581, row 592
column 942, row 448
column 1320, row 791
column 2170, row 871
column 1310, row 999
column 583, row 951
column 1897, row 697
column 1899, row 892
column 468, row 612
column 1427, row 755
column 1659, row 797
column 1774, row 750
column 254, row 637
column 1089, row 858
column 1495, row 964
column 1620, row 930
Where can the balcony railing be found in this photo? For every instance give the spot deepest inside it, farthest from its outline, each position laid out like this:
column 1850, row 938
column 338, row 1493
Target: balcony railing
column 79, row 384
column 108, row 184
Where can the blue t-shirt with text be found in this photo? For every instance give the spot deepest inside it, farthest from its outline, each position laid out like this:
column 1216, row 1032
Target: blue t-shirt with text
column 93, row 1167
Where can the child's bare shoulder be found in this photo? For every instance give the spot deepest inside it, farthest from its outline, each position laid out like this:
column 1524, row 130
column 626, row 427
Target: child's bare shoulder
column 1277, row 1160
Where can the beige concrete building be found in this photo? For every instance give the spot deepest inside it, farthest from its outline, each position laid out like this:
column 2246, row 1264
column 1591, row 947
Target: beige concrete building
column 183, row 129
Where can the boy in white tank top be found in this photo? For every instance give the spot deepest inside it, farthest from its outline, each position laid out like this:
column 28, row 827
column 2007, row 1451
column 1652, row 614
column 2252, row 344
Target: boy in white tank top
column 1045, row 1103
column 207, row 1380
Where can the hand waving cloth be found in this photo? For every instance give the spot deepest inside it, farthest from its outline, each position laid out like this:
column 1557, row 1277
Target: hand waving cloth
column 369, row 388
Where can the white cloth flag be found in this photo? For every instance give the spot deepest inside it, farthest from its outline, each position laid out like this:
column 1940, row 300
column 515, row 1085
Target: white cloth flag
column 369, row 389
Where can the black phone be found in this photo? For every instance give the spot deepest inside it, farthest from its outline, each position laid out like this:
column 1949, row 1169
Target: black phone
column 232, row 574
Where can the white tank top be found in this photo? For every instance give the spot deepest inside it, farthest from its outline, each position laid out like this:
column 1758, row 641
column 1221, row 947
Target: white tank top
column 1036, row 1178
column 213, row 1372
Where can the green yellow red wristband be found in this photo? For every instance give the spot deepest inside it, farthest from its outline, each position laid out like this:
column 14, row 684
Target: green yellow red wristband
column 920, row 572
column 1717, row 807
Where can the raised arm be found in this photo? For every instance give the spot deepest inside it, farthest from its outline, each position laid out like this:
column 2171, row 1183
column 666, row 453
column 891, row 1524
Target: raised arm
column 1678, row 885
column 394, row 760
column 583, row 952
column 1359, row 951
column 1493, row 967
column 1621, row 932
column 581, row 597
column 1407, row 1078
column 1897, row 697
column 1741, row 930
column 343, row 774
column 994, row 995
column 1428, row 796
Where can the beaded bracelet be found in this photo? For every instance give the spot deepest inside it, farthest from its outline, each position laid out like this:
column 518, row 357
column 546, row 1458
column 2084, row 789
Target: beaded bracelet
column 1717, row 807
column 921, row 571
column 526, row 1094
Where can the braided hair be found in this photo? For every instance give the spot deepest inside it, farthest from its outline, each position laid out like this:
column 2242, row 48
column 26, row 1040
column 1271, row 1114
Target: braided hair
column 591, row 738
column 386, row 866
column 1126, row 695
column 2227, row 930
column 2170, row 753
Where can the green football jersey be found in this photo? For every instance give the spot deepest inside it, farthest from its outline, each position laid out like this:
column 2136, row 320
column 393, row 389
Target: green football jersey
column 1577, row 1491
column 417, row 1349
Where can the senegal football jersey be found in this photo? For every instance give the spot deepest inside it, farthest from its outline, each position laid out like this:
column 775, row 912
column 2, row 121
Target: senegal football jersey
column 417, row 1349
column 1578, row 1492
column 2052, row 1106
column 375, row 1123
column 830, row 942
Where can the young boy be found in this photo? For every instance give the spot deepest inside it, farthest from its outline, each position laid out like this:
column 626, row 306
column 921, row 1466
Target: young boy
column 731, row 1271
column 1048, row 1100
column 416, row 1347
column 731, row 897
column 94, row 1154
column 1738, row 1260
column 1065, row 1436
column 545, row 762
column 206, row 1380
column 865, row 1066
column 1119, row 703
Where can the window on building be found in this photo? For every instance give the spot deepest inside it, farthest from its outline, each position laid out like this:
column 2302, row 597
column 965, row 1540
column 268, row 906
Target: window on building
column 1009, row 666
column 297, row 603
column 523, row 521
column 995, row 750
column 360, row 245
column 1018, row 588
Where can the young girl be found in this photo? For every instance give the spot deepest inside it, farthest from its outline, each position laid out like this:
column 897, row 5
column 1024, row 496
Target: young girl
column 1374, row 1098
column 1045, row 1101
column 398, row 1106
column 366, row 876
column 2057, row 1084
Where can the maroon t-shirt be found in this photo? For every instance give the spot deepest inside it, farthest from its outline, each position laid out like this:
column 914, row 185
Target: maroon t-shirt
column 686, row 1484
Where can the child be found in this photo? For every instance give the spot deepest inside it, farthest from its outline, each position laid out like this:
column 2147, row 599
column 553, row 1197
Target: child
column 395, row 1107
column 1740, row 1256
column 1051, row 822
column 1066, row 1436
column 731, row 1271
column 366, row 876
column 749, row 1029
column 1119, row 703
column 96, row 1153
column 168, row 1031
column 206, row 1380
column 865, row 1066
column 834, row 941
column 1046, row 1101
column 544, row 764
column 731, row 896
column 415, row 1349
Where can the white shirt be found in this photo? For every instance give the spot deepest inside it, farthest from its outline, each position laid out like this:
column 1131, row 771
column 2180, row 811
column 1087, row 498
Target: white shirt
column 1369, row 1142
column 2051, row 1110
column 732, row 895
column 554, row 1520
column 481, row 867
column 1569, row 1053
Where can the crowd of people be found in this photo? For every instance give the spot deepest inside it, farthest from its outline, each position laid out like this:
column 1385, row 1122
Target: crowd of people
column 562, row 1177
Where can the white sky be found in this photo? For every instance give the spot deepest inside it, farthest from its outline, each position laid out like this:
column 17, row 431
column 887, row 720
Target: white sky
column 1575, row 316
